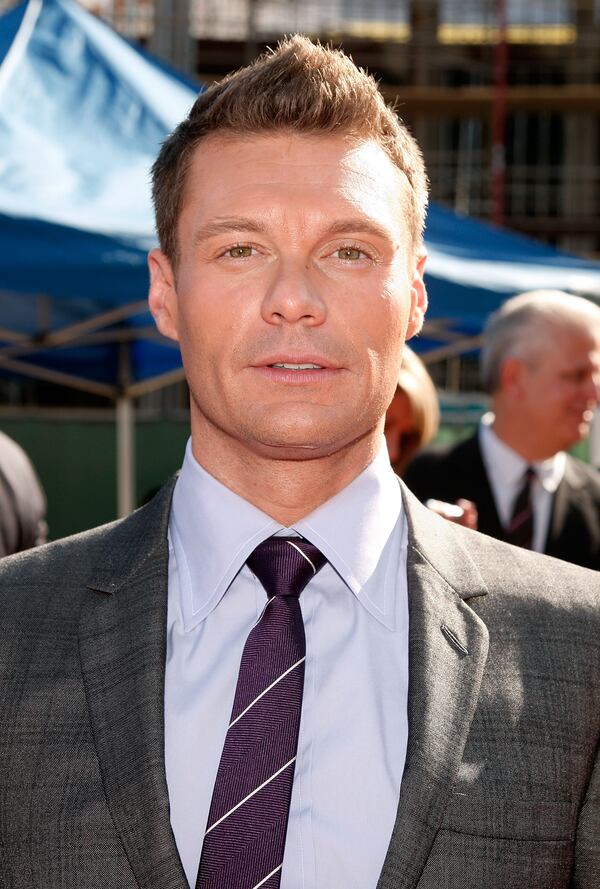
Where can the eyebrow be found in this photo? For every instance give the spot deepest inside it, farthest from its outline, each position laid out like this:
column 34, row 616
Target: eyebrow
column 369, row 226
column 229, row 224
column 245, row 224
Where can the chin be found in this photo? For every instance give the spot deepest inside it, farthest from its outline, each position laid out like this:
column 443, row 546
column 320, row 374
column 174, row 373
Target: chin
column 293, row 450
column 292, row 442
column 575, row 436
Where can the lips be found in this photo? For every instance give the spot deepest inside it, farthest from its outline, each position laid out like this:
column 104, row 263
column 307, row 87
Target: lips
column 297, row 371
column 297, row 362
column 288, row 366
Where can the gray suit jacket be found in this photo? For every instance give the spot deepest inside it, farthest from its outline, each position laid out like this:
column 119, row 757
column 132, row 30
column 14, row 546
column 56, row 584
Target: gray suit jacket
column 501, row 785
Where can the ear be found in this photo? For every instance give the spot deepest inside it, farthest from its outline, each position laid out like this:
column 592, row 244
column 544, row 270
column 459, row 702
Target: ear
column 418, row 297
column 511, row 375
column 162, row 296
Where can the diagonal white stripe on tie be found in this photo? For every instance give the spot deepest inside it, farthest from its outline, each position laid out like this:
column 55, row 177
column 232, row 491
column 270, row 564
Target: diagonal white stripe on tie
column 263, row 693
column 303, row 554
column 268, row 877
column 250, row 795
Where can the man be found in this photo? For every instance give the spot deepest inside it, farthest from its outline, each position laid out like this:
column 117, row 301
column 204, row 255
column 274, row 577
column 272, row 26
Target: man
column 22, row 500
column 451, row 709
column 541, row 365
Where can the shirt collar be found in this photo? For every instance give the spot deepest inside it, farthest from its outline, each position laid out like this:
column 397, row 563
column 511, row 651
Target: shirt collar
column 353, row 528
column 511, row 465
column 213, row 531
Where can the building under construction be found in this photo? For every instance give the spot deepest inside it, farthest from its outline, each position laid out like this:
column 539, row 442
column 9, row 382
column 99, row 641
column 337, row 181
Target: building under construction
column 503, row 95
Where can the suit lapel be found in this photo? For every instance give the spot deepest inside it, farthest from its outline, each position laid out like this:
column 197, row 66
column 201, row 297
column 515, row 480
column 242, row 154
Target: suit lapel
column 558, row 517
column 444, row 686
column 565, row 539
column 123, row 647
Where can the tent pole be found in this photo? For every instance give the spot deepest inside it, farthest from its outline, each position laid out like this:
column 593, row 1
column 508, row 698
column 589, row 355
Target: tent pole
column 125, row 429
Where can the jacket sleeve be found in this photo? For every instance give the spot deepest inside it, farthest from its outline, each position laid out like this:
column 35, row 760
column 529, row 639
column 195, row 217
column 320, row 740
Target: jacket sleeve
column 586, row 873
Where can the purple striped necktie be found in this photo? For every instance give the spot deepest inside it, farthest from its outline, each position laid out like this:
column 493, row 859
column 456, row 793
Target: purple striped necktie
column 247, row 823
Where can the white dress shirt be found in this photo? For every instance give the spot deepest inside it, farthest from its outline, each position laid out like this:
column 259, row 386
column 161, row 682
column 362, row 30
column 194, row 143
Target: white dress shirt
column 506, row 469
column 354, row 726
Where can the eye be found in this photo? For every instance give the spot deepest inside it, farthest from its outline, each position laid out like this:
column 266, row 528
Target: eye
column 240, row 251
column 350, row 253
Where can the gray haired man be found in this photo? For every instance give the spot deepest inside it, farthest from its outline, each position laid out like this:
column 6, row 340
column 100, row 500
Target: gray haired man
column 540, row 362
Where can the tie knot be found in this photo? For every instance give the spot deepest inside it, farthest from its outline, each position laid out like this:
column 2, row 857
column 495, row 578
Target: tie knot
column 284, row 565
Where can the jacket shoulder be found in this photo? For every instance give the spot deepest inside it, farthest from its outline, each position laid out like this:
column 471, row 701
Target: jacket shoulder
column 500, row 572
column 532, row 590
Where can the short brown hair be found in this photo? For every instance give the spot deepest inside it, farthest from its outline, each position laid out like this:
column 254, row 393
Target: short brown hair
column 303, row 87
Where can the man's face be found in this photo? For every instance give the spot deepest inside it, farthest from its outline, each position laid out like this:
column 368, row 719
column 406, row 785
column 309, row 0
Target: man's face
column 295, row 288
column 560, row 387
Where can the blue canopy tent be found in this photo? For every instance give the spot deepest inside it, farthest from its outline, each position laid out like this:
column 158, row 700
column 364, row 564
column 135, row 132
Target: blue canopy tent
column 82, row 114
column 473, row 267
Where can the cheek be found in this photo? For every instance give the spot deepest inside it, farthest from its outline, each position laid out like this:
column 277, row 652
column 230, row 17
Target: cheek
column 206, row 316
column 384, row 316
column 550, row 404
column 198, row 337
column 387, row 328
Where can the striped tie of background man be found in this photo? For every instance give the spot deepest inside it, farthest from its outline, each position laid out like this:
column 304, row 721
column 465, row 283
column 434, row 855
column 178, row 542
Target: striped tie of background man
column 519, row 530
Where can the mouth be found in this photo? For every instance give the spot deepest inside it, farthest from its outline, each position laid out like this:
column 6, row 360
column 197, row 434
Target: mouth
column 296, row 361
column 299, row 370
column 289, row 366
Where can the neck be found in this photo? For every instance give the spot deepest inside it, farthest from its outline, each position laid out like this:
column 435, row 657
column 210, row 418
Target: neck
column 521, row 438
column 285, row 488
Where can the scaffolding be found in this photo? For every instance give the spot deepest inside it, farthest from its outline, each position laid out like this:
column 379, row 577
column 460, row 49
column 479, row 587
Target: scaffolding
column 503, row 95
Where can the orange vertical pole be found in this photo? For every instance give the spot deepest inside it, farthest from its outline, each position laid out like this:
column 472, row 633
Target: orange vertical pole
column 498, row 164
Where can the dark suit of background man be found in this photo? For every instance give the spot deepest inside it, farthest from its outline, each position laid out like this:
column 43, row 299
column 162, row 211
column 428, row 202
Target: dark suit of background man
column 540, row 363
column 451, row 711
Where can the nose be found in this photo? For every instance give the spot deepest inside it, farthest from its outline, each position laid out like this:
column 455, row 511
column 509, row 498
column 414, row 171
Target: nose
column 292, row 297
column 592, row 389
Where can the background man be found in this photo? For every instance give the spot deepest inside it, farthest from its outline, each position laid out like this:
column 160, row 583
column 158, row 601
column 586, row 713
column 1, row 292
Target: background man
column 541, row 365
column 152, row 671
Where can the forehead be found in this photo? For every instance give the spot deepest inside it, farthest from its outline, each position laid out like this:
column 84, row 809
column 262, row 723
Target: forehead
column 562, row 343
column 305, row 174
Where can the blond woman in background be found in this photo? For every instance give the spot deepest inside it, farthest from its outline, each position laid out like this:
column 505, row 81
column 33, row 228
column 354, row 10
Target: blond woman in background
column 411, row 422
column 413, row 417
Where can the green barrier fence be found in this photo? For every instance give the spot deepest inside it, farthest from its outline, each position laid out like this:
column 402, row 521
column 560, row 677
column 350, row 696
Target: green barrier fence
column 76, row 460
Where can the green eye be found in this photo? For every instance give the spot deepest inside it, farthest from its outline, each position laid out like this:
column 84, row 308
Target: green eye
column 351, row 253
column 240, row 252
